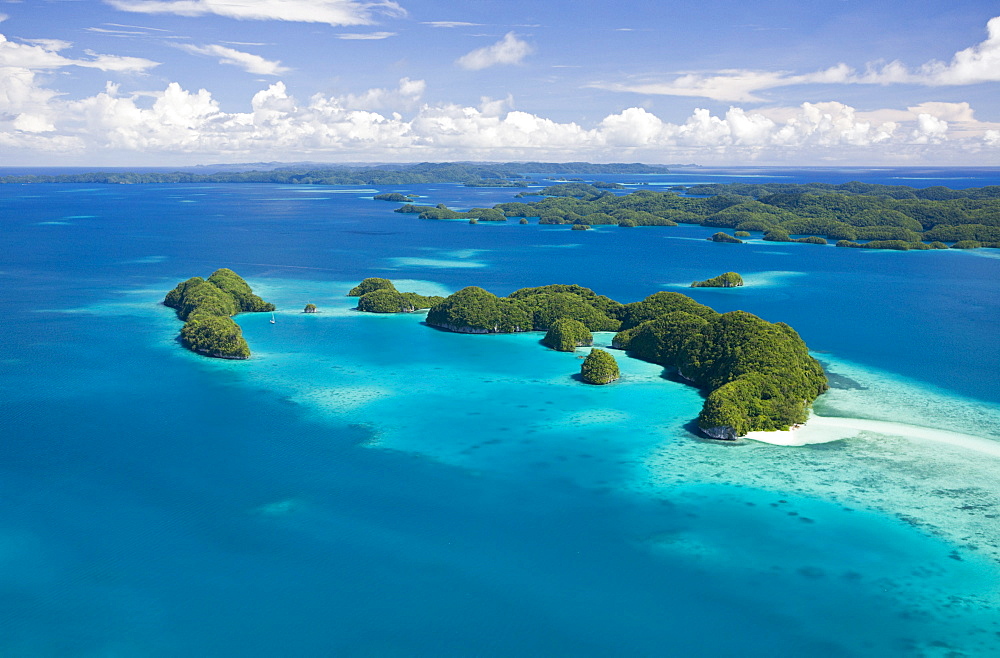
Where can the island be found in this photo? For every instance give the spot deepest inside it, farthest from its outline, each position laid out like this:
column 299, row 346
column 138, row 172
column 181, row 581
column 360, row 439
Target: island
column 726, row 280
column 852, row 214
column 310, row 308
column 567, row 334
column 393, row 301
column 757, row 375
column 376, row 295
column 393, row 196
column 370, row 284
column 313, row 174
column 207, row 307
column 599, row 367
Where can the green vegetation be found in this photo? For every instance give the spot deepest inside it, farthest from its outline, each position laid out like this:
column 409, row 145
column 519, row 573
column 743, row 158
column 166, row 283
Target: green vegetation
column 727, row 280
column 758, row 376
column 310, row 308
column 725, row 237
column 566, row 334
column 384, row 300
column 393, row 174
column 599, row 367
column 441, row 211
column 473, row 310
column 661, row 303
column 967, row 244
column 214, row 335
column 661, row 340
column 494, row 182
column 546, row 304
column 230, row 282
column 207, row 307
column 813, row 213
column 581, row 227
column 370, row 284
column 393, row 196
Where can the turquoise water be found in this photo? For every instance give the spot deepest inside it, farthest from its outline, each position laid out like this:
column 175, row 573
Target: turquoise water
column 366, row 485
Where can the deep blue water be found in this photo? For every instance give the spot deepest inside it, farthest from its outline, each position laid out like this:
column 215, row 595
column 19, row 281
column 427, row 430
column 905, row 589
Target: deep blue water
column 369, row 486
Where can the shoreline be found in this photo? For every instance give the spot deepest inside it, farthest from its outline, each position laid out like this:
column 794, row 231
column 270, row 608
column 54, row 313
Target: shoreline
column 824, row 429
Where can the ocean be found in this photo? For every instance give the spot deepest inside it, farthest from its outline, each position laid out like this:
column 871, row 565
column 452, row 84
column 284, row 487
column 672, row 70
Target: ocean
column 365, row 485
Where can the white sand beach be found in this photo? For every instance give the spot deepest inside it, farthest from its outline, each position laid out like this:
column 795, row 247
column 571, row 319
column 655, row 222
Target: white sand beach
column 823, row 429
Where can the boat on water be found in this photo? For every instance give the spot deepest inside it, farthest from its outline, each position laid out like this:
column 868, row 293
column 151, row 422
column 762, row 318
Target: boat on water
column 272, row 317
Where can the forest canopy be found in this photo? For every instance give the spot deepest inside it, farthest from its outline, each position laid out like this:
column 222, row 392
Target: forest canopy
column 815, row 213
column 207, row 307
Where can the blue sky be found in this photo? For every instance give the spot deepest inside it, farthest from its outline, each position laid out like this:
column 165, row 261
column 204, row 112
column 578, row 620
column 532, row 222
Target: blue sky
column 174, row 82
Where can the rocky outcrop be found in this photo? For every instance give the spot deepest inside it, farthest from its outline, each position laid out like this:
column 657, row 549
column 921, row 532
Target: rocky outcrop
column 722, row 433
column 463, row 330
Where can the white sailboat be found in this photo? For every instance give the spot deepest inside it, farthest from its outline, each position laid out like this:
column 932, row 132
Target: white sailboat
column 272, row 317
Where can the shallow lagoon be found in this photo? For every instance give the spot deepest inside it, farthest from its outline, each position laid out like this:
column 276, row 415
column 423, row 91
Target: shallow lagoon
column 369, row 486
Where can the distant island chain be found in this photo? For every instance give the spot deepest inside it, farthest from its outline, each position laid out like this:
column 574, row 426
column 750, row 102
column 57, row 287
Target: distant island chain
column 758, row 375
column 858, row 215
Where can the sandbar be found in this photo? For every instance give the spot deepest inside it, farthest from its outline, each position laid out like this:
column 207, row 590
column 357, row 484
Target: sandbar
column 823, row 429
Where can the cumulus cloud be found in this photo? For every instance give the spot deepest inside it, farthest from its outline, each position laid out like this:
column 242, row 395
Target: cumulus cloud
column 246, row 61
column 44, row 54
column 976, row 64
column 332, row 12
column 404, row 96
column 370, row 125
column 509, row 50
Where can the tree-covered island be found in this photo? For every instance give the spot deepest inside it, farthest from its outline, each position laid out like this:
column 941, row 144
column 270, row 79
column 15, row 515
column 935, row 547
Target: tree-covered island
column 377, row 295
column 852, row 215
column 758, row 375
column 599, row 367
column 507, row 174
column 393, row 196
column 726, row 280
column 207, row 307
column 567, row 334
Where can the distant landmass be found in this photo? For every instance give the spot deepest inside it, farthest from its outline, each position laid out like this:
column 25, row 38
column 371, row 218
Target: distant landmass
column 879, row 216
column 507, row 174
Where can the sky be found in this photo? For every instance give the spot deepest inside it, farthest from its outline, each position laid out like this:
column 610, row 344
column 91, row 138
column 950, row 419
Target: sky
column 712, row 82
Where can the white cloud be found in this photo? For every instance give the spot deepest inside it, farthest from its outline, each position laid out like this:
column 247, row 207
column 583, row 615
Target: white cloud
column 366, row 36
column 980, row 63
column 3, row 17
column 509, row 50
column 451, row 24
column 405, row 96
column 246, row 61
column 118, row 33
column 332, row 12
column 32, row 123
column 178, row 124
column 55, row 45
column 977, row 64
column 44, row 54
column 138, row 27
